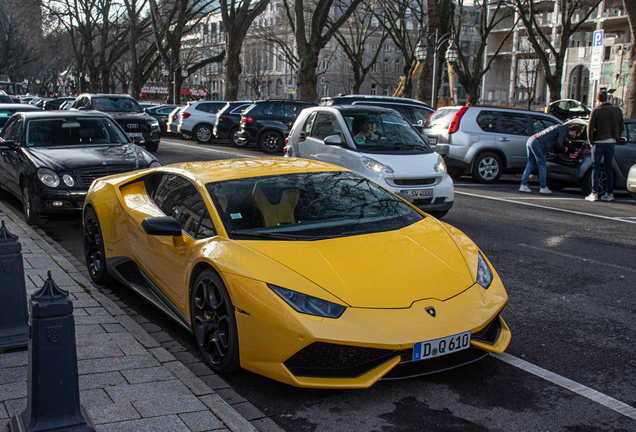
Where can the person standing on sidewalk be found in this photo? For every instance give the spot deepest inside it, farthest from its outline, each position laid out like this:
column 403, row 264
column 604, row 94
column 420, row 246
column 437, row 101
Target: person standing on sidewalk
column 603, row 130
column 546, row 141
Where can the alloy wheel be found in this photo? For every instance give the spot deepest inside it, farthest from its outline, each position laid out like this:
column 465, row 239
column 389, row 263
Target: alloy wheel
column 211, row 321
column 488, row 168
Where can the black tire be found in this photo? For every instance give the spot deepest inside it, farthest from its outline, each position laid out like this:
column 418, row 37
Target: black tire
column 234, row 138
column 186, row 136
column 487, row 168
column 556, row 185
column 152, row 147
column 271, row 142
column 586, row 183
column 27, row 208
column 203, row 133
column 438, row 214
column 214, row 323
column 94, row 253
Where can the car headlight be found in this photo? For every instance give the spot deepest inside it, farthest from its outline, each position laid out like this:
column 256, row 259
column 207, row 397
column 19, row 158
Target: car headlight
column 484, row 274
column 440, row 165
column 154, row 164
column 376, row 166
column 154, row 124
column 48, row 177
column 68, row 180
column 308, row 305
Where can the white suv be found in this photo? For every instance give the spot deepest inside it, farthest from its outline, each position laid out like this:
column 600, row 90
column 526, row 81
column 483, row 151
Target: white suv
column 197, row 119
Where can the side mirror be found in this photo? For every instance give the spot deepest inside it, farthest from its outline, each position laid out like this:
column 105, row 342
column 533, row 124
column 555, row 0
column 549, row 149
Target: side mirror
column 334, row 140
column 8, row 145
column 161, row 226
column 138, row 140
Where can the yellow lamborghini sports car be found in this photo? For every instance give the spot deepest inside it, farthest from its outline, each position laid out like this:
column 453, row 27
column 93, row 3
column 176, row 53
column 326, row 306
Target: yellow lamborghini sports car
column 297, row 270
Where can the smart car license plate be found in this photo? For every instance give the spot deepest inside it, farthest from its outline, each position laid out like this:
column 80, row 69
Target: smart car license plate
column 432, row 140
column 419, row 193
column 135, row 135
column 441, row 346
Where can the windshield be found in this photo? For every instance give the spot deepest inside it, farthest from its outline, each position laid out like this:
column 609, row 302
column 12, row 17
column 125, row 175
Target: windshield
column 7, row 87
column 377, row 132
column 308, row 206
column 116, row 104
column 59, row 132
column 441, row 118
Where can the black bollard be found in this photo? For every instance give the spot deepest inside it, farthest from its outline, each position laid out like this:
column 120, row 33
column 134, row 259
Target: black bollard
column 14, row 328
column 53, row 399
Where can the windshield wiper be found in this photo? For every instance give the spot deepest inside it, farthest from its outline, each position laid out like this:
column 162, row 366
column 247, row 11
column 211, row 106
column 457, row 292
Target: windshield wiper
column 267, row 235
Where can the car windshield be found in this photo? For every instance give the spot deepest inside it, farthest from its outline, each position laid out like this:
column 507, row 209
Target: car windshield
column 441, row 118
column 60, row 132
column 116, row 104
column 308, row 206
column 383, row 132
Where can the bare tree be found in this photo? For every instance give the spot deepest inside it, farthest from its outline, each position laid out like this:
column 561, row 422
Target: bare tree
column 528, row 77
column 312, row 30
column 255, row 67
column 629, row 105
column 548, row 50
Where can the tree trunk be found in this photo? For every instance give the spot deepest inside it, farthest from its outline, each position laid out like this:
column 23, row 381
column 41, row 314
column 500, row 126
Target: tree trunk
column 629, row 105
column 232, row 69
column 307, row 78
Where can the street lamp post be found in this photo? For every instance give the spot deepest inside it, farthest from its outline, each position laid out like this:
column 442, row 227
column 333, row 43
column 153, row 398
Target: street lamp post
column 436, row 40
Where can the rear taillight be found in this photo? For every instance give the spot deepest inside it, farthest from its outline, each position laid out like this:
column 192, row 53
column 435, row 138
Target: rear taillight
column 221, row 118
column 247, row 120
column 585, row 148
column 286, row 140
column 186, row 115
column 176, row 116
column 454, row 124
column 285, row 150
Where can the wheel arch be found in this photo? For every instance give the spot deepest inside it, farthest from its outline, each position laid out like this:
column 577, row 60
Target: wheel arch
column 269, row 129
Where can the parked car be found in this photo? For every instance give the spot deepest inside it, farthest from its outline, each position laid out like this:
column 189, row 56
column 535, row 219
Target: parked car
column 40, row 102
column 566, row 109
column 248, row 256
column 228, row 120
column 197, row 119
column 4, row 98
column 50, row 158
column 268, row 122
column 161, row 113
column 416, row 112
column 396, row 156
column 8, row 109
column 127, row 112
column 575, row 168
column 631, row 181
column 54, row 104
column 484, row 141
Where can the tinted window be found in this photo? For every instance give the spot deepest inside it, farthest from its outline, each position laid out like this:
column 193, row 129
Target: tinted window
column 541, row 123
column 166, row 110
column 513, row 124
column 326, row 124
column 239, row 109
column 487, row 120
column 70, row 131
column 389, row 133
column 291, row 111
column 441, row 118
column 421, row 114
column 116, row 104
column 630, row 131
column 308, row 123
column 16, row 131
column 178, row 197
column 271, row 109
column 6, row 131
column 5, row 114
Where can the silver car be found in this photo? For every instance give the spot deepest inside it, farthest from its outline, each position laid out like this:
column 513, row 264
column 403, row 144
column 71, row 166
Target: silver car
column 484, row 142
column 631, row 181
column 197, row 119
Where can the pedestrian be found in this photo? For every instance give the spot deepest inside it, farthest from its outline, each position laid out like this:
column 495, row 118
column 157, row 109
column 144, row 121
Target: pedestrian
column 603, row 130
column 538, row 145
column 168, row 100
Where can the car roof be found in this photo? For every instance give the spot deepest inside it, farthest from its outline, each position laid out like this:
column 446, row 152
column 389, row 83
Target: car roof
column 370, row 98
column 230, row 169
column 355, row 108
column 30, row 115
column 490, row 107
column 105, row 95
column 19, row 106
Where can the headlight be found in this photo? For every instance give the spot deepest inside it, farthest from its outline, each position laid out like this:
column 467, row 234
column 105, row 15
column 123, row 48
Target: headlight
column 376, row 166
column 154, row 124
column 308, row 305
column 68, row 180
column 48, row 177
column 440, row 165
column 484, row 275
column 154, row 164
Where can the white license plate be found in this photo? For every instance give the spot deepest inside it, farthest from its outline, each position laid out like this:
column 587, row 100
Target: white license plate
column 432, row 140
column 441, row 346
column 419, row 193
column 135, row 134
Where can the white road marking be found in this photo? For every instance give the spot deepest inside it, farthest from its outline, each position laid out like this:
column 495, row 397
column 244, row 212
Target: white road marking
column 233, row 155
column 578, row 258
column 593, row 395
column 616, row 219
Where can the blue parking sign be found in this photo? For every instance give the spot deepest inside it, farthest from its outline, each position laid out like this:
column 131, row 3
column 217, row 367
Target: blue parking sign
column 598, row 38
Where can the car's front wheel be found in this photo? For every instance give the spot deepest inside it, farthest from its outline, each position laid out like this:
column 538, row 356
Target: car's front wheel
column 271, row 142
column 203, row 133
column 214, row 323
column 30, row 216
column 587, row 186
column 487, row 168
column 94, row 254
column 234, row 138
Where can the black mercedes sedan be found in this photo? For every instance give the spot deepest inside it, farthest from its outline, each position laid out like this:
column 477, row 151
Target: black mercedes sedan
column 48, row 159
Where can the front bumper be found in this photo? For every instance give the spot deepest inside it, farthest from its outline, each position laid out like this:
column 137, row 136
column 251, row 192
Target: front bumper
column 441, row 200
column 375, row 344
column 57, row 202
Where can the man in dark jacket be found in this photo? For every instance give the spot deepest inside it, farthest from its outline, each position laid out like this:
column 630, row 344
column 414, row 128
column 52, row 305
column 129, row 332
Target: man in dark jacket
column 603, row 130
column 546, row 141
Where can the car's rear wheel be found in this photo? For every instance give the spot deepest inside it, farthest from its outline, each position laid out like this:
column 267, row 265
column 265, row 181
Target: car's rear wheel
column 487, row 168
column 586, row 182
column 203, row 133
column 30, row 216
column 94, row 254
column 234, row 138
column 271, row 142
column 214, row 323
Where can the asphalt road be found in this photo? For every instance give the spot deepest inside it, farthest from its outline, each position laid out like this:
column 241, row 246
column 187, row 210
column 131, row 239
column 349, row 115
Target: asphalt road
column 569, row 267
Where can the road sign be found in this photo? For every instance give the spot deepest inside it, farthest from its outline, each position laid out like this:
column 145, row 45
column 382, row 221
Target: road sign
column 597, row 55
column 290, row 89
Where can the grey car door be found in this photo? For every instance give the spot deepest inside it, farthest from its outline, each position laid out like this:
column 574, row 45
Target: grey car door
column 313, row 147
column 512, row 134
column 625, row 154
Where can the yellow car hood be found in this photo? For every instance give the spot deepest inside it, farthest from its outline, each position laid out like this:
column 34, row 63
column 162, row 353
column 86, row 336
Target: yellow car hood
column 380, row 270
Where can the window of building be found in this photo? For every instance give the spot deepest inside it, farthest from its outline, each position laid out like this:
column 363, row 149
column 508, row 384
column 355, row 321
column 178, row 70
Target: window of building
column 374, row 68
column 608, row 53
column 374, row 89
column 397, row 66
column 387, row 47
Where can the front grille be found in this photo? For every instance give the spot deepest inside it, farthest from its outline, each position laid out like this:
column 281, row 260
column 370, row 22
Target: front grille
column 133, row 126
column 414, row 182
column 86, row 176
column 322, row 359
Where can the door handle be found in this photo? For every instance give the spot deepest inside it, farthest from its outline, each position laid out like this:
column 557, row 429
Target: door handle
column 504, row 139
